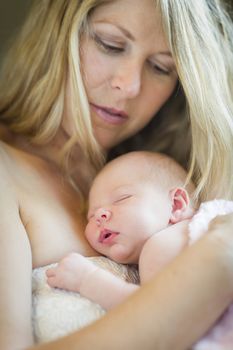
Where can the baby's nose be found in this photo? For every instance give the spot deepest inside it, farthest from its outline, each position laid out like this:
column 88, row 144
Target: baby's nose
column 102, row 215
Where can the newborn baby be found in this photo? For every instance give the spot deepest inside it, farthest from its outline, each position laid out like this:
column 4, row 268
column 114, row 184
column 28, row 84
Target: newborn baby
column 139, row 213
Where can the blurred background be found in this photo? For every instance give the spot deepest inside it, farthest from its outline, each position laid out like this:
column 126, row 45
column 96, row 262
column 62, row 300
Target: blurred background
column 12, row 13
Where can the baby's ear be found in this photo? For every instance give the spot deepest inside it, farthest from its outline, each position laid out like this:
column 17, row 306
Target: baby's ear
column 180, row 205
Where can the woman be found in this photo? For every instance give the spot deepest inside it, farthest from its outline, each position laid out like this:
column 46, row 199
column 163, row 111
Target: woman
column 83, row 77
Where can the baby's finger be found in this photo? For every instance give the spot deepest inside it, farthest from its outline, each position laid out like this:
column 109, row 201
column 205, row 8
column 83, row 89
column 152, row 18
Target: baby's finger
column 52, row 282
column 50, row 272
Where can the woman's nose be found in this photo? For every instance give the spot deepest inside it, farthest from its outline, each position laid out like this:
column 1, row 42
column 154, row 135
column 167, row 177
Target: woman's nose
column 102, row 215
column 127, row 79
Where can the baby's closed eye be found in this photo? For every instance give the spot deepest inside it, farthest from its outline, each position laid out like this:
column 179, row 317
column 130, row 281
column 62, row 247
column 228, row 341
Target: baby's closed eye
column 122, row 198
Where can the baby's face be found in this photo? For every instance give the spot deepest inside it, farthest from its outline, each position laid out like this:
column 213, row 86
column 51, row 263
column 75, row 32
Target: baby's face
column 124, row 211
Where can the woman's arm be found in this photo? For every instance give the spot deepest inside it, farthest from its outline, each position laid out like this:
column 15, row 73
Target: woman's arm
column 15, row 273
column 174, row 309
column 76, row 273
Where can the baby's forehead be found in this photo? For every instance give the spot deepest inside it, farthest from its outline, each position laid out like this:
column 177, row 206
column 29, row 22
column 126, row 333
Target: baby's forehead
column 124, row 168
column 113, row 185
column 126, row 173
column 118, row 178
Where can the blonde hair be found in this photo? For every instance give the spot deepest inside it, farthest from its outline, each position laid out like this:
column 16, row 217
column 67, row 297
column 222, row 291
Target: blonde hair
column 36, row 70
column 196, row 124
column 200, row 35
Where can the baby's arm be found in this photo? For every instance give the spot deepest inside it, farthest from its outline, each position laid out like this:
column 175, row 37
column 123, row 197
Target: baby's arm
column 161, row 249
column 77, row 273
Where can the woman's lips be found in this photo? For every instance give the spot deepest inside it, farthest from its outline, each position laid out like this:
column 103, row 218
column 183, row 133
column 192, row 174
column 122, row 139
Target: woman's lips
column 107, row 236
column 110, row 115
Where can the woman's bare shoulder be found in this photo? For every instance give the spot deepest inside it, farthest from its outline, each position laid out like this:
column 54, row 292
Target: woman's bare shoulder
column 8, row 196
column 8, row 168
column 5, row 165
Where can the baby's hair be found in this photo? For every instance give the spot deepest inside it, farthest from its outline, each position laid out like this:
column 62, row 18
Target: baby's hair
column 166, row 170
column 163, row 171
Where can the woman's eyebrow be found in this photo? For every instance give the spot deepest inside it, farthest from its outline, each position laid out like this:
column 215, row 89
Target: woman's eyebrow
column 167, row 53
column 122, row 29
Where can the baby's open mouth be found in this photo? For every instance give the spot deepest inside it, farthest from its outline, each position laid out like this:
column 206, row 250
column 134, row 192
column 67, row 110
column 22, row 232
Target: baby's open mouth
column 107, row 236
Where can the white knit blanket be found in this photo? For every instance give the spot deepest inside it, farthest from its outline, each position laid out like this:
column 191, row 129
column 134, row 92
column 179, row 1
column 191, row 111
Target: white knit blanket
column 56, row 312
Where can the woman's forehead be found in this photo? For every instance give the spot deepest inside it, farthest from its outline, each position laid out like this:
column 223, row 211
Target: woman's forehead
column 129, row 14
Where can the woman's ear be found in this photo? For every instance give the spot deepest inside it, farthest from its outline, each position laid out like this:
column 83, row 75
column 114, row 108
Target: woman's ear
column 180, row 205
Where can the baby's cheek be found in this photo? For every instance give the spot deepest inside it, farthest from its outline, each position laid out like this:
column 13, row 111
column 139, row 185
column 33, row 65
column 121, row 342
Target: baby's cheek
column 90, row 234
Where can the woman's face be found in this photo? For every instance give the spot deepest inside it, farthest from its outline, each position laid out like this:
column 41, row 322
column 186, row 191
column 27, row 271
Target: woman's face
column 127, row 68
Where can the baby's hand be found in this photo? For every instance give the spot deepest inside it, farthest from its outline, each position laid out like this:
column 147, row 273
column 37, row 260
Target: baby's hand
column 70, row 272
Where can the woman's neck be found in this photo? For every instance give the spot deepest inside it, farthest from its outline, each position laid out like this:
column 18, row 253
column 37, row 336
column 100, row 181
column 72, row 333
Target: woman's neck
column 51, row 153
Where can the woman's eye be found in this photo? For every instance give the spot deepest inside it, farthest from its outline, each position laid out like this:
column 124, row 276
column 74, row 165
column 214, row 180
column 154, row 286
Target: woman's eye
column 160, row 70
column 108, row 47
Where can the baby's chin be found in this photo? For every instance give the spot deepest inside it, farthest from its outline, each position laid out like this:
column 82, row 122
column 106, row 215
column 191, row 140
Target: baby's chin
column 122, row 254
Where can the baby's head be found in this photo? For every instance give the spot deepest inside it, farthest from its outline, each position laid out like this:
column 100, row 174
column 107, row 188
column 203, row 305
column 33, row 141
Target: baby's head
column 133, row 197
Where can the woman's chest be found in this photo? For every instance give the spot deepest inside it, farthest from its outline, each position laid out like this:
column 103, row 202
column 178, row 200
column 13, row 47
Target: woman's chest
column 53, row 229
column 52, row 215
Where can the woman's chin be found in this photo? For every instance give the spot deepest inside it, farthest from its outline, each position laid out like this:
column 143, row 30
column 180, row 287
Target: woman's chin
column 107, row 139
